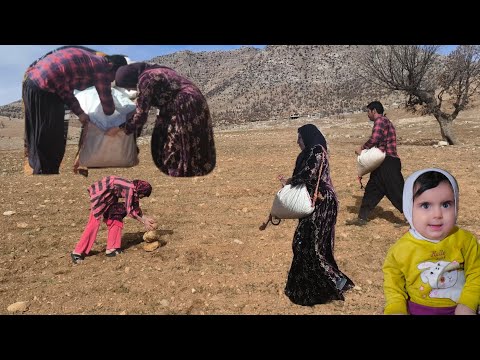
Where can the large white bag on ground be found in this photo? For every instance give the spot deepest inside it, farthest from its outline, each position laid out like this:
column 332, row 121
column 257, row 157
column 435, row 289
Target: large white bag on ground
column 292, row 202
column 369, row 160
column 101, row 150
column 90, row 104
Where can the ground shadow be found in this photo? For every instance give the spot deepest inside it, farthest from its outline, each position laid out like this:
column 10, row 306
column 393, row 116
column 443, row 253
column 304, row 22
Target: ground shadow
column 93, row 253
column 378, row 212
column 388, row 215
column 132, row 239
column 355, row 208
column 417, row 142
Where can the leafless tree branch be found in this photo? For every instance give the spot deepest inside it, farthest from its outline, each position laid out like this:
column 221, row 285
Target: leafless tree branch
column 420, row 72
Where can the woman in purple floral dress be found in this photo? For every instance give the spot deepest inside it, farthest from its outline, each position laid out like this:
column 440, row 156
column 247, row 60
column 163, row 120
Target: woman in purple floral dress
column 314, row 277
column 182, row 141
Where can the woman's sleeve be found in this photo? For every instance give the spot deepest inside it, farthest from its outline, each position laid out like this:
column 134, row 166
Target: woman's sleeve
column 310, row 171
column 136, row 122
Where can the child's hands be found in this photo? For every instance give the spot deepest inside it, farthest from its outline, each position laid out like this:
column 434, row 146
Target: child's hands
column 149, row 223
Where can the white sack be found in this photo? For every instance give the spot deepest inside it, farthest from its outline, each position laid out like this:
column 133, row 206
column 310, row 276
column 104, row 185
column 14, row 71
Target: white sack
column 90, row 104
column 369, row 160
column 292, row 203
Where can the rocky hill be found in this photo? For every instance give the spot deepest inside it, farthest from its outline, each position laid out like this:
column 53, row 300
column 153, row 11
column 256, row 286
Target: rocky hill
column 12, row 110
column 250, row 84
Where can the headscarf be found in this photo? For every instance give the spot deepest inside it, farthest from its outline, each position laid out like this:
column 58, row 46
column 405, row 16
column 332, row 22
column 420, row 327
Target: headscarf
column 311, row 136
column 142, row 187
column 117, row 61
column 408, row 198
column 127, row 75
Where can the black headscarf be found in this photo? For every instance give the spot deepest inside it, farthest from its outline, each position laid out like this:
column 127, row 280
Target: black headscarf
column 117, row 61
column 127, row 76
column 311, row 136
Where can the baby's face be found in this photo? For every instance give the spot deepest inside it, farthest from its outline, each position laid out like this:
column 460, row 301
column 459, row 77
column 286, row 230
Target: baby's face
column 434, row 212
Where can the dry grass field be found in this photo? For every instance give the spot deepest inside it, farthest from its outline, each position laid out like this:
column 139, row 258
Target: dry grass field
column 214, row 259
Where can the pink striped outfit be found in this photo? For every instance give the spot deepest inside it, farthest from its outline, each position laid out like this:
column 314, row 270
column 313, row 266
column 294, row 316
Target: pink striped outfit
column 104, row 195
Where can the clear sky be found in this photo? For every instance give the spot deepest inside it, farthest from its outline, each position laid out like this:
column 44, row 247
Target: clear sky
column 14, row 59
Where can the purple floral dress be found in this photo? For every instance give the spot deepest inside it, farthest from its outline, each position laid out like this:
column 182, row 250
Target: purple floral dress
column 314, row 277
column 182, row 140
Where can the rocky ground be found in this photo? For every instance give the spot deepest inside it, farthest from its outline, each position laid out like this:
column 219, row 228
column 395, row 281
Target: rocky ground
column 214, row 259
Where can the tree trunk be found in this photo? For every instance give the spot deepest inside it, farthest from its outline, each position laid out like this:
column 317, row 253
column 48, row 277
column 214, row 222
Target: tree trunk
column 446, row 128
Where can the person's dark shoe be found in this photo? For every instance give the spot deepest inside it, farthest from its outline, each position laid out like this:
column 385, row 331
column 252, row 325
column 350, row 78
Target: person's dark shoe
column 77, row 259
column 114, row 252
column 356, row 222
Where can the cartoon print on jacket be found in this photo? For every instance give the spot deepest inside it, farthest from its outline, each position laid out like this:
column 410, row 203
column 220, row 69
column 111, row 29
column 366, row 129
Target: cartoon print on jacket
column 445, row 278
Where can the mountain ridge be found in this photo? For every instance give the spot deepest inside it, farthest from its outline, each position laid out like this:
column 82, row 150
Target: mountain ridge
column 250, row 84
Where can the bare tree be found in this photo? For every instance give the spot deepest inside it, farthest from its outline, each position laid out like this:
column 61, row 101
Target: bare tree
column 427, row 78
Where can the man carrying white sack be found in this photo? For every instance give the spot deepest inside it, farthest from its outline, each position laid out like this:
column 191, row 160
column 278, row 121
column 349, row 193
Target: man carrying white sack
column 386, row 180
